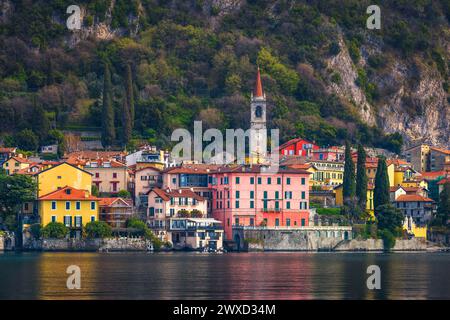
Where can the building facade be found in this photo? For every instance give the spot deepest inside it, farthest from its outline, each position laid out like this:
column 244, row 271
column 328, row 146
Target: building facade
column 109, row 176
column 247, row 196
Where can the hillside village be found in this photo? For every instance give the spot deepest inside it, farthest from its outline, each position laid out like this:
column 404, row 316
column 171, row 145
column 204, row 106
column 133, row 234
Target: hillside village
column 333, row 192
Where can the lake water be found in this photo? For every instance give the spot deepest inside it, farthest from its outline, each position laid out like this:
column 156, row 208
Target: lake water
column 225, row 276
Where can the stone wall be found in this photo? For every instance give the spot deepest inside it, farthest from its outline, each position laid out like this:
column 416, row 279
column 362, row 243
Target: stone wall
column 112, row 244
column 290, row 239
column 314, row 239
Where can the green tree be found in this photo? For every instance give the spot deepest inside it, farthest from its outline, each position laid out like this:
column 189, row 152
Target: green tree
column 126, row 123
column 381, row 191
column 94, row 190
column 183, row 213
column 55, row 230
column 124, row 194
column 130, row 93
column 443, row 211
column 15, row 190
column 389, row 223
column 98, row 229
column 26, row 140
column 195, row 213
column 108, row 130
column 40, row 123
column 361, row 178
column 56, row 136
column 349, row 174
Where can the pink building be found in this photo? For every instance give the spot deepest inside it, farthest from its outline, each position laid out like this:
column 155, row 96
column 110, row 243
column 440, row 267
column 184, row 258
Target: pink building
column 243, row 195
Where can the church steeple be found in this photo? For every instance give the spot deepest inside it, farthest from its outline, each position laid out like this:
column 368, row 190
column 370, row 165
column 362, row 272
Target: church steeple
column 258, row 91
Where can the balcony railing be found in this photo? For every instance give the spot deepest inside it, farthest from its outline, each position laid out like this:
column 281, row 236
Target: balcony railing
column 271, row 210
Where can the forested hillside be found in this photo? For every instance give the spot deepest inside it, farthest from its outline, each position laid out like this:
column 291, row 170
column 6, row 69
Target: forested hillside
column 327, row 77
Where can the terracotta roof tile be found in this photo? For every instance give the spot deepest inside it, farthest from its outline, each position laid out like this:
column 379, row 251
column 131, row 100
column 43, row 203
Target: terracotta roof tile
column 68, row 193
column 412, row 197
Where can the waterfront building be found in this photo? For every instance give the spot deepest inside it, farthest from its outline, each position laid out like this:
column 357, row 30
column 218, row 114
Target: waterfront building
column 62, row 175
column 144, row 180
column 68, row 205
column 417, row 209
column 172, row 203
column 115, row 211
column 109, row 176
column 194, row 233
column 246, row 195
column 298, row 147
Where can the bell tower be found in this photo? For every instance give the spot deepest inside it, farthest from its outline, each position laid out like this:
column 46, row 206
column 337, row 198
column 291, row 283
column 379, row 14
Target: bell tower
column 258, row 129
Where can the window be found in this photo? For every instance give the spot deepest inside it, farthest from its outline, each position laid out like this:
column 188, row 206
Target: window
column 78, row 205
column 269, row 180
column 78, row 221
column 93, row 205
column 288, row 222
column 238, row 194
column 67, row 205
column 236, row 221
column 237, row 204
column 288, row 180
column 252, row 222
column 303, row 181
column 228, row 222
column 265, row 195
column 259, row 180
column 68, row 221
column 92, row 218
column 252, row 180
column 288, row 205
column 53, row 218
column 252, row 194
column 278, row 180
column 174, row 180
column 252, row 204
column 277, row 194
column 303, row 222
column 277, row 205
column 238, row 180
column 303, row 195
column 53, row 205
column 97, row 175
column 277, row 222
column 114, row 175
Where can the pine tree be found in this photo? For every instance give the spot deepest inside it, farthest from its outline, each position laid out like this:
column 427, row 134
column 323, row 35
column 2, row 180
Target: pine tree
column 349, row 174
column 381, row 191
column 443, row 211
column 126, row 123
column 130, row 93
column 108, row 133
column 361, row 178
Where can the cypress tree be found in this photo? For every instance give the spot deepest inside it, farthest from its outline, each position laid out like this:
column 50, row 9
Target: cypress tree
column 443, row 211
column 381, row 191
column 130, row 93
column 349, row 174
column 108, row 133
column 361, row 178
column 39, row 122
column 126, row 123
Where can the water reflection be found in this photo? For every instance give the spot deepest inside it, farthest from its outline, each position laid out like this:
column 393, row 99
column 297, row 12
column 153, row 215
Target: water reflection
column 226, row 276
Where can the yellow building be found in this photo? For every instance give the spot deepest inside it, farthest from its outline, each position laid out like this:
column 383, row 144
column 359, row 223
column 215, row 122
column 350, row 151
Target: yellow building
column 70, row 206
column 339, row 198
column 15, row 164
column 327, row 172
column 63, row 175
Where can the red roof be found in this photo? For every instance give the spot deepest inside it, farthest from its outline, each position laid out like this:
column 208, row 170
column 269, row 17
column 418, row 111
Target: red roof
column 412, row 197
column 258, row 92
column 21, row 160
column 101, row 164
column 432, row 174
column 293, row 141
column 7, row 150
column 440, row 150
column 166, row 195
column 107, row 202
column 68, row 193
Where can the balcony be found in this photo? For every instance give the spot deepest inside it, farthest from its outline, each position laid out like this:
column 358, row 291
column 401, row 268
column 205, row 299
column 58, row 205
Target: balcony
column 271, row 210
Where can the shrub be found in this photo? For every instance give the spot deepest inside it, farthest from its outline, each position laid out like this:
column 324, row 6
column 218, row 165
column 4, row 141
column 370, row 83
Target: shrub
column 36, row 230
column 388, row 239
column 55, row 230
column 196, row 213
column 124, row 194
column 144, row 231
column 98, row 229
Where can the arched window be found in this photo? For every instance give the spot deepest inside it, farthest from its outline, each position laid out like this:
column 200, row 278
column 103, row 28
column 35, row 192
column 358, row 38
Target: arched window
column 258, row 112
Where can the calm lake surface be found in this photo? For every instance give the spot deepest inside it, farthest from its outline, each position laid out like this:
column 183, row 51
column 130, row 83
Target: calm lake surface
column 224, row 276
